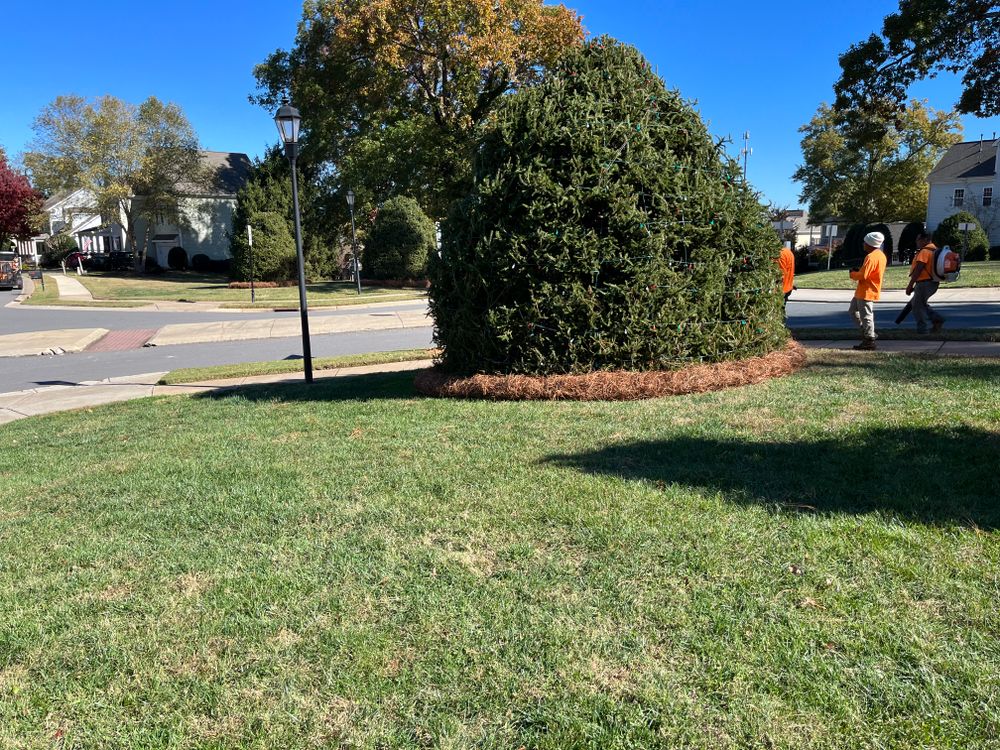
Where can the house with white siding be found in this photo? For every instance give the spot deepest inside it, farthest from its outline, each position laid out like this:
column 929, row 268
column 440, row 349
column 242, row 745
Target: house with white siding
column 966, row 180
column 69, row 212
column 207, row 207
column 207, row 204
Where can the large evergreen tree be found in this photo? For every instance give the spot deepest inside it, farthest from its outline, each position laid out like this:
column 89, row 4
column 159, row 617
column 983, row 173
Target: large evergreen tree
column 606, row 230
column 269, row 190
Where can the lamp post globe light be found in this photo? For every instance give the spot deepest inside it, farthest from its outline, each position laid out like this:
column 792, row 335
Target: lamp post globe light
column 354, row 241
column 288, row 120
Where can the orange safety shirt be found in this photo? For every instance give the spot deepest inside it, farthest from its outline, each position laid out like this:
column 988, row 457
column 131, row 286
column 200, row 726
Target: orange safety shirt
column 786, row 261
column 869, row 276
column 925, row 256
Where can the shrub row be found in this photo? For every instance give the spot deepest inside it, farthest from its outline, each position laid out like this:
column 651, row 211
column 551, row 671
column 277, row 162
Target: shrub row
column 398, row 283
column 948, row 233
column 400, row 241
column 261, row 284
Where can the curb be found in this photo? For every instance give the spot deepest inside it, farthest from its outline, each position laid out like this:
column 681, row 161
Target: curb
column 21, row 344
column 269, row 328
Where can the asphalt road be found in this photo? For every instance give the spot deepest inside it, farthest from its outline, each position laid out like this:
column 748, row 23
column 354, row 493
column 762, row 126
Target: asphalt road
column 21, row 373
column 25, row 318
column 22, row 319
column 835, row 315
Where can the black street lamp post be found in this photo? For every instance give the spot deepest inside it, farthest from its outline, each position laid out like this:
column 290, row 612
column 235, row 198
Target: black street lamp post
column 354, row 240
column 288, row 119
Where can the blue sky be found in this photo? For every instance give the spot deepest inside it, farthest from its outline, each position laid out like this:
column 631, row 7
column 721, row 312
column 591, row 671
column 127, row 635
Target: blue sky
column 752, row 65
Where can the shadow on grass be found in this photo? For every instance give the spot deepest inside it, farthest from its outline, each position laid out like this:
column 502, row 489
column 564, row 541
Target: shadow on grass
column 376, row 386
column 934, row 476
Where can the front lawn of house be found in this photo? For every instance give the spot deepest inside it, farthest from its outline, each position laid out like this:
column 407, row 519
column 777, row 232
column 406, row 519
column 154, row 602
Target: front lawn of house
column 49, row 296
column 979, row 274
column 192, row 287
column 808, row 563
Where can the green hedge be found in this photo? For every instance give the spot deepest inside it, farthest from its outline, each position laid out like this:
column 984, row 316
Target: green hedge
column 948, row 233
column 606, row 229
column 56, row 248
column 852, row 251
column 399, row 242
column 908, row 241
column 273, row 250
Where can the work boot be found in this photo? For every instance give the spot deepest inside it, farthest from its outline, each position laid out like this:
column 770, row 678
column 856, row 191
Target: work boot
column 938, row 325
column 867, row 345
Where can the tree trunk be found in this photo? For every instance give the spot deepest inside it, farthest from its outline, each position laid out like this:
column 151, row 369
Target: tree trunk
column 130, row 237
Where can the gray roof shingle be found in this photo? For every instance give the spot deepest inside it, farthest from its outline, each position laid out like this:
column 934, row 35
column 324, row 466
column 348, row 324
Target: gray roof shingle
column 55, row 198
column 230, row 170
column 964, row 160
column 221, row 173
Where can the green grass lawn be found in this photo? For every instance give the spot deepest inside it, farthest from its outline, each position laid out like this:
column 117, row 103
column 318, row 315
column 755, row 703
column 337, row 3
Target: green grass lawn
column 50, row 296
column 979, row 274
column 808, row 563
column 192, row 287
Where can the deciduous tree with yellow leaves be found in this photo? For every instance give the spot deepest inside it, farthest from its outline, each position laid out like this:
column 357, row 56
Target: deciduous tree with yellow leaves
column 391, row 91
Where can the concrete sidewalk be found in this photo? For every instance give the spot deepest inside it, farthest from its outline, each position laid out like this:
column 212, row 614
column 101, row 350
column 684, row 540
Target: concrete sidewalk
column 47, row 400
column 70, row 289
column 212, row 307
column 60, row 341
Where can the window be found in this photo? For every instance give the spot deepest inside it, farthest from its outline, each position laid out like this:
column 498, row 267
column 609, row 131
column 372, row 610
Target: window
column 988, row 196
column 959, row 197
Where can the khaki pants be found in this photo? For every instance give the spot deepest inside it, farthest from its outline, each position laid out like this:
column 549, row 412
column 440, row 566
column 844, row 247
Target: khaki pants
column 922, row 292
column 863, row 312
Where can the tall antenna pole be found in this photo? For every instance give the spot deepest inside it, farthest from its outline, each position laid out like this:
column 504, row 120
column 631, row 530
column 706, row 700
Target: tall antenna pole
column 746, row 152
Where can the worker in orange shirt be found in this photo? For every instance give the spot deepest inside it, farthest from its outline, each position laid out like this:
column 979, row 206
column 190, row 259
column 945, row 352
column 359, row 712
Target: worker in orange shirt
column 923, row 286
column 869, row 289
column 786, row 262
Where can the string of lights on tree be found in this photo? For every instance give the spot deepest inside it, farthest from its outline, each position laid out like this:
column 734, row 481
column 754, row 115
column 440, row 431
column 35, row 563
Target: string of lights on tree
column 608, row 229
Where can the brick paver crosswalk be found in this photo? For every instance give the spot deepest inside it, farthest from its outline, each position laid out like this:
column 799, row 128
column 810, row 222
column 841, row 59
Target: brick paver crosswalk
column 119, row 341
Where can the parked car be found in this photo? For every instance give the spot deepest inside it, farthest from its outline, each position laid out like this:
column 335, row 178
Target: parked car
column 10, row 271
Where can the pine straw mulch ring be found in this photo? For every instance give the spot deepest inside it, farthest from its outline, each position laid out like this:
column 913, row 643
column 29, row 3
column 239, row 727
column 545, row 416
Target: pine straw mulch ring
column 615, row 385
